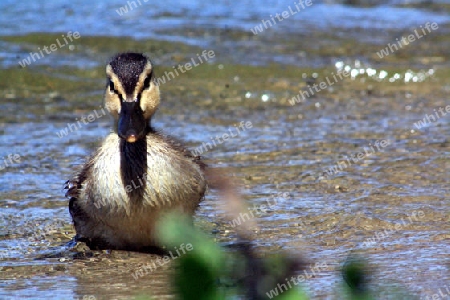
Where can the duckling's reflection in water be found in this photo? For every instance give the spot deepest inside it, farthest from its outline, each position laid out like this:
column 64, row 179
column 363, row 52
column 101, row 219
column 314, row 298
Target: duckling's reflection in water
column 109, row 209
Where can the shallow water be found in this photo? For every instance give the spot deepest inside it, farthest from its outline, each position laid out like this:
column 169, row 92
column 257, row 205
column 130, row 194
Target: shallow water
column 284, row 156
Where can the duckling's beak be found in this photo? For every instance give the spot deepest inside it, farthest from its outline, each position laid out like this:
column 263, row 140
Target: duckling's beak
column 132, row 123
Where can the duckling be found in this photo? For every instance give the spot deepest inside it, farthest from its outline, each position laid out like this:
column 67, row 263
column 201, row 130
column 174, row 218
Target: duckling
column 137, row 174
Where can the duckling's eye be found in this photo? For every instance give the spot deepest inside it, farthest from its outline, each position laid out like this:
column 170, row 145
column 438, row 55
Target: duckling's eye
column 147, row 82
column 111, row 87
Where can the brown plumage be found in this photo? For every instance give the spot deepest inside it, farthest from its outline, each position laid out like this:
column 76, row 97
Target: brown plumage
column 137, row 174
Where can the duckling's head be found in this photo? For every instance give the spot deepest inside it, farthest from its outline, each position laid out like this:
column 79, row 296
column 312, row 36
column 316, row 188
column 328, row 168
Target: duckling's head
column 132, row 95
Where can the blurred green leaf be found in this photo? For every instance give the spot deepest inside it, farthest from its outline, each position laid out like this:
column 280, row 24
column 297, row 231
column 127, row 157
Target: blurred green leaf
column 293, row 294
column 196, row 279
column 175, row 230
column 356, row 275
column 200, row 268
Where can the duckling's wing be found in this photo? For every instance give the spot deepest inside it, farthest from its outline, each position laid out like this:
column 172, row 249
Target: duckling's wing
column 73, row 187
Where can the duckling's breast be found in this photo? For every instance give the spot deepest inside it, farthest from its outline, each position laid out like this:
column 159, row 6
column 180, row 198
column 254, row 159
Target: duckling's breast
column 171, row 180
column 122, row 211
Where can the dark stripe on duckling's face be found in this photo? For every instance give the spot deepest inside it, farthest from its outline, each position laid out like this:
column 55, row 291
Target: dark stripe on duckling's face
column 132, row 124
column 133, row 167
